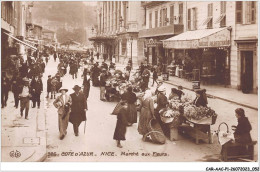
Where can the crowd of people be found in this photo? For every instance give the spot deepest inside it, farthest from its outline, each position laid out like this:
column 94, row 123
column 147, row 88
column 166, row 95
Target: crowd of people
column 26, row 84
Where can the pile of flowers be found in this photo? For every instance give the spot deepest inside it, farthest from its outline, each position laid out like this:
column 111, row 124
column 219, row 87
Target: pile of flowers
column 197, row 113
column 169, row 113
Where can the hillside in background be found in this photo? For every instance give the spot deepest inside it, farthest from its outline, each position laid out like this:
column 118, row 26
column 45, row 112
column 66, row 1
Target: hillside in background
column 67, row 18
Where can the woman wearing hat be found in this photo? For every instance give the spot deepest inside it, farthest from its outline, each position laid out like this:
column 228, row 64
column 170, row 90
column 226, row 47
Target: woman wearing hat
column 78, row 109
column 201, row 98
column 63, row 103
column 146, row 114
column 241, row 134
column 162, row 103
column 121, row 124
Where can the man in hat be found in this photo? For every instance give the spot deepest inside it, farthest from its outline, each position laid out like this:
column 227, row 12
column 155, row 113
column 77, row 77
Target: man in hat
column 78, row 109
column 37, row 87
column 5, row 86
column 63, row 103
column 102, row 84
column 16, row 86
column 25, row 95
column 145, row 76
column 48, row 85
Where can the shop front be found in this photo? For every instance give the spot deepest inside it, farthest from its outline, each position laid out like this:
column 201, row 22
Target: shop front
column 105, row 46
column 207, row 51
column 247, row 64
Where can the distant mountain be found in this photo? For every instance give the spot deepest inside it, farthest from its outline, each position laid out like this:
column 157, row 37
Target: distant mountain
column 69, row 12
column 64, row 14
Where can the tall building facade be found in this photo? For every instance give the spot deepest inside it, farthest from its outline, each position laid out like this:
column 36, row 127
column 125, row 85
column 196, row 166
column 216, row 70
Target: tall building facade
column 119, row 23
column 14, row 16
column 223, row 35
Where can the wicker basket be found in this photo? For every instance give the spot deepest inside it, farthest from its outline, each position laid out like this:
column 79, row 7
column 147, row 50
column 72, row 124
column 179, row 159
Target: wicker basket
column 155, row 131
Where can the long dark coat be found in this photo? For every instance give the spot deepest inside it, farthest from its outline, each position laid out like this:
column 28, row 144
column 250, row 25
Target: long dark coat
column 121, row 124
column 77, row 114
column 86, row 84
column 242, row 132
column 131, row 98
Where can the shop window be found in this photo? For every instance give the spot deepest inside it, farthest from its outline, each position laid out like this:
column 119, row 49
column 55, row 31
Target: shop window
column 239, row 12
column 172, row 14
column 250, row 12
column 123, row 47
column 181, row 13
column 150, row 20
column 156, row 19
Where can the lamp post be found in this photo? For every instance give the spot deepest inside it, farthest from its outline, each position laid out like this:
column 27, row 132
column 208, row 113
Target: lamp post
column 131, row 42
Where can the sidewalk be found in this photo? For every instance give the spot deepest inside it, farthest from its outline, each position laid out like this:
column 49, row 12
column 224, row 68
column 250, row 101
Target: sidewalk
column 227, row 94
column 23, row 140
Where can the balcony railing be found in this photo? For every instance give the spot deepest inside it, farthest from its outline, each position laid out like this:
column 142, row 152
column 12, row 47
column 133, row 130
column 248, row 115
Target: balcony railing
column 161, row 31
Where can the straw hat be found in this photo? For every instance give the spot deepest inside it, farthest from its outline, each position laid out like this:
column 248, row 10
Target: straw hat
column 161, row 89
column 62, row 88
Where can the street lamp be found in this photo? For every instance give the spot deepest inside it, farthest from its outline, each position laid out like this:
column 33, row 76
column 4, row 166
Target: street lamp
column 92, row 29
column 131, row 42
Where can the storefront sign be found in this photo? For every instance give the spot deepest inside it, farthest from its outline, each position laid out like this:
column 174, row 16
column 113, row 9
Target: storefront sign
column 189, row 44
column 153, row 43
column 219, row 39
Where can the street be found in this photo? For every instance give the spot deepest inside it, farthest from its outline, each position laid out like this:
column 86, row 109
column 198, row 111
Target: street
column 97, row 143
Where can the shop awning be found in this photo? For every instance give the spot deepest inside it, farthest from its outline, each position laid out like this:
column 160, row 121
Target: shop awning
column 21, row 42
column 206, row 38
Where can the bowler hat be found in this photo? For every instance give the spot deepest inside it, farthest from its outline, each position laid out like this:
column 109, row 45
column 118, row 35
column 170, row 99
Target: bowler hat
column 76, row 87
column 62, row 88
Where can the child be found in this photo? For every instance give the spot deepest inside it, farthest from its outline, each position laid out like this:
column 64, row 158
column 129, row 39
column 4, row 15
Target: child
column 54, row 83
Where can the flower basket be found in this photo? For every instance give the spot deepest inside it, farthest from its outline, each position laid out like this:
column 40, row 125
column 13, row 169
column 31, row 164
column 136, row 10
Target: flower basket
column 167, row 119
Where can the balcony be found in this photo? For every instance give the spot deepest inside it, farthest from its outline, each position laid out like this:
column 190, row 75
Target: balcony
column 161, row 31
column 149, row 4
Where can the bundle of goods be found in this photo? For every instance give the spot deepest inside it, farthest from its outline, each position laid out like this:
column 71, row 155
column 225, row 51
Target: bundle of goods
column 169, row 115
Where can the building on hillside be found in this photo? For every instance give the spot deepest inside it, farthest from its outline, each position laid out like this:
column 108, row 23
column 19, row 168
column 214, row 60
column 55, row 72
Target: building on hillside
column 222, row 36
column 119, row 23
column 49, row 38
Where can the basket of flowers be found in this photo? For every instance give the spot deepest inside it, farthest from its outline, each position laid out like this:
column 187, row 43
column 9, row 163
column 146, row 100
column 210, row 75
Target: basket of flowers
column 167, row 115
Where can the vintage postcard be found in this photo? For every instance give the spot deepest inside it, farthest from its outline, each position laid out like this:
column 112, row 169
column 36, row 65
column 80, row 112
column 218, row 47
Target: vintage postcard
column 129, row 81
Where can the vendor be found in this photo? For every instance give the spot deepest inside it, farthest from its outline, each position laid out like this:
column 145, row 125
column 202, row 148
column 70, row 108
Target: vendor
column 162, row 103
column 173, row 93
column 241, row 135
column 242, row 130
column 201, row 98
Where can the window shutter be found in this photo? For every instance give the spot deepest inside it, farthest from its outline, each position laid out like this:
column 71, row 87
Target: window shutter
column 189, row 19
column 239, row 7
column 172, row 14
column 253, row 12
column 161, row 17
column 194, row 18
column 180, row 13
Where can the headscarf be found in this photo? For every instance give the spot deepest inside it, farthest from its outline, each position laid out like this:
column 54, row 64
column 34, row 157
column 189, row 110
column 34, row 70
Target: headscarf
column 147, row 94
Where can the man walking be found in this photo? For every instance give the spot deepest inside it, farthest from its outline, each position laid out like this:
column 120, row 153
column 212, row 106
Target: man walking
column 48, row 85
column 63, row 103
column 5, row 86
column 78, row 109
column 36, row 86
column 25, row 98
column 102, row 85
column 16, row 86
